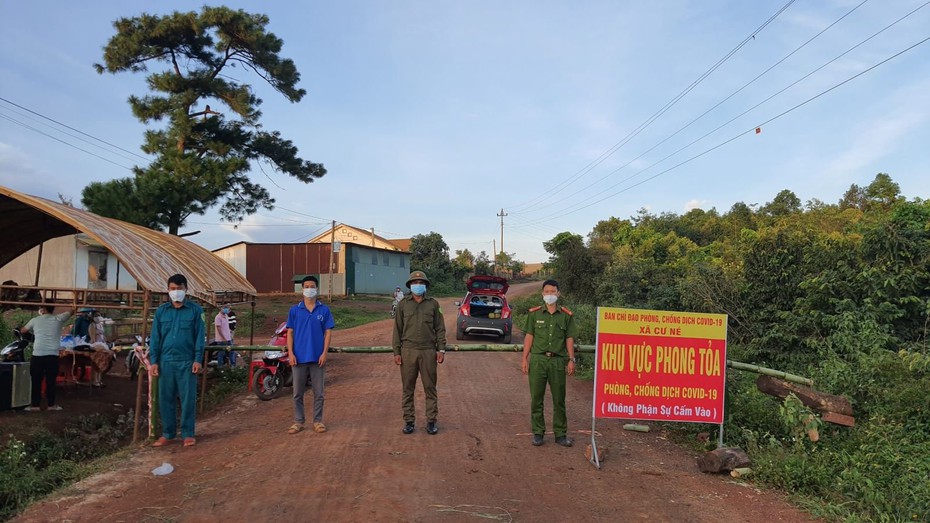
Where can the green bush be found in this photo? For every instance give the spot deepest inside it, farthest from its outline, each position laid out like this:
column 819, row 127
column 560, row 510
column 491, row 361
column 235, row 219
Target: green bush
column 6, row 332
column 225, row 383
column 30, row 470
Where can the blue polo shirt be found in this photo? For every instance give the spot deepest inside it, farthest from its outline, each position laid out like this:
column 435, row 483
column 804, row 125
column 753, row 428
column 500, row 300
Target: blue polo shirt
column 309, row 330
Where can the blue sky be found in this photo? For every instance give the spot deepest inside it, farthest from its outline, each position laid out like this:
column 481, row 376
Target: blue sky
column 434, row 116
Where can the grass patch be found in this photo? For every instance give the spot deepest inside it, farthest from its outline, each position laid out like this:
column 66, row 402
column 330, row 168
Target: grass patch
column 224, row 383
column 31, row 470
column 347, row 316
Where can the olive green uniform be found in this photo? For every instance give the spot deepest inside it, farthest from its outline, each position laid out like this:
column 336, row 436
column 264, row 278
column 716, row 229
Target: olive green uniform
column 548, row 359
column 419, row 332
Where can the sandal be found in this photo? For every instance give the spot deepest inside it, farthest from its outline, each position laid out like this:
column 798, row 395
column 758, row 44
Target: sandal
column 189, row 442
column 319, row 427
column 295, row 428
column 161, row 442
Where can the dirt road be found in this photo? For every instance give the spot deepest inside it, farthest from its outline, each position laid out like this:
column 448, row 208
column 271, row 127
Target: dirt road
column 480, row 465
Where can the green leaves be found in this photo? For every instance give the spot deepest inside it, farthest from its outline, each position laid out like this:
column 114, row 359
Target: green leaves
column 212, row 135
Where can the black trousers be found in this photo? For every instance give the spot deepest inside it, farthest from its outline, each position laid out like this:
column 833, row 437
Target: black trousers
column 43, row 367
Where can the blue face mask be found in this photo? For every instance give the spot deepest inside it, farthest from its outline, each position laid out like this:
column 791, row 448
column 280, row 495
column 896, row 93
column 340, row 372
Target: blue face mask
column 226, row 310
column 418, row 288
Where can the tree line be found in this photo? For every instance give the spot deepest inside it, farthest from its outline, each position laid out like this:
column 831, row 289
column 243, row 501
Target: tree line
column 839, row 292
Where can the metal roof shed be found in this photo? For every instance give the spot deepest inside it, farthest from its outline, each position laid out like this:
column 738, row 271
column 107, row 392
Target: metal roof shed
column 151, row 257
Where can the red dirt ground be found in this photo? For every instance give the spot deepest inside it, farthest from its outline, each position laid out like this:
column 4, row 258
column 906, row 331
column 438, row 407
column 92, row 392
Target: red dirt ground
column 480, row 465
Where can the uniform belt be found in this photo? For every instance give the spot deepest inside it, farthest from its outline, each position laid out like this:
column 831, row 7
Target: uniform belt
column 552, row 354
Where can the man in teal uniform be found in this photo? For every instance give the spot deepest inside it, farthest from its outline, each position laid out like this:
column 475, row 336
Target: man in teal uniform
column 176, row 354
column 548, row 351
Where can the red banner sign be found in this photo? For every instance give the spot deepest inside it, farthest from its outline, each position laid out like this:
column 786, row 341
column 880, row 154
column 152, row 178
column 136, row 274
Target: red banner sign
column 660, row 365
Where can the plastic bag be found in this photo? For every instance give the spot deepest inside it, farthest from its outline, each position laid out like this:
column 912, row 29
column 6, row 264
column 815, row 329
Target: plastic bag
column 163, row 470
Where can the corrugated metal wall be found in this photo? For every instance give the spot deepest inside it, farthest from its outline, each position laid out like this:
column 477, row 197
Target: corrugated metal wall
column 375, row 271
column 272, row 266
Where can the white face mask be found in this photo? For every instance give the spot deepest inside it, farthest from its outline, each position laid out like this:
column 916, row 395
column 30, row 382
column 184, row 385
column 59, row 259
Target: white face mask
column 177, row 295
column 550, row 299
column 311, row 292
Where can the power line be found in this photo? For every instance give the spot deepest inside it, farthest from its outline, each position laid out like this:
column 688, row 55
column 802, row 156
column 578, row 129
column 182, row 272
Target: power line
column 600, row 159
column 748, row 131
column 327, row 220
column 718, row 104
column 237, row 225
column 889, row 26
column 27, row 126
column 312, row 234
column 98, row 146
column 73, row 129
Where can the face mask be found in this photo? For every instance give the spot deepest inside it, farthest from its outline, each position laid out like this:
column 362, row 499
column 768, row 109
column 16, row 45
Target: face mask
column 226, row 310
column 98, row 319
column 550, row 299
column 176, row 295
column 311, row 292
column 418, row 288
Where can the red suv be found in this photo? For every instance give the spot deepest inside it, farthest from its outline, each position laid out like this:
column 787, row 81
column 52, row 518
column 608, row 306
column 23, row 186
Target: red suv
column 484, row 310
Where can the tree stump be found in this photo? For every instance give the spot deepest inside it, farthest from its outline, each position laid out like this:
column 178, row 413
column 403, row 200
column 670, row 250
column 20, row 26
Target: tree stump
column 723, row 459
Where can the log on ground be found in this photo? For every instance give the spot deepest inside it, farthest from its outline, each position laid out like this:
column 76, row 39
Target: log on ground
column 820, row 401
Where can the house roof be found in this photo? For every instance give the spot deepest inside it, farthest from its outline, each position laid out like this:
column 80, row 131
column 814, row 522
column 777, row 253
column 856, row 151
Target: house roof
column 150, row 256
column 349, row 234
column 402, row 243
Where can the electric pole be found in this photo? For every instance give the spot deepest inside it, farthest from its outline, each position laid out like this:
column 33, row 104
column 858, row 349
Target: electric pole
column 502, row 214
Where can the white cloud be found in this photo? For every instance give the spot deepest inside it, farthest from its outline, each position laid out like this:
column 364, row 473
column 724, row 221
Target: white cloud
column 695, row 204
column 878, row 136
column 18, row 173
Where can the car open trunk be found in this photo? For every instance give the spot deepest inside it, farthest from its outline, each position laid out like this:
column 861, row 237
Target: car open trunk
column 485, row 306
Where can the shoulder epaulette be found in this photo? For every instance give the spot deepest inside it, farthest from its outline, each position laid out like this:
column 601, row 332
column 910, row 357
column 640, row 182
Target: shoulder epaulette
column 566, row 311
column 534, row 309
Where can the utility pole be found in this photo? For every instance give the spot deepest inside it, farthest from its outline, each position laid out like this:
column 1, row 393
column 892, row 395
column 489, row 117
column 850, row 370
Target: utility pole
column 502, row 214
column 497, row 269
column 332, row 245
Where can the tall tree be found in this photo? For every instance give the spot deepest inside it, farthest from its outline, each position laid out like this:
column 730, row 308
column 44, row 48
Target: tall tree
column 573, row 265
column 202, row 155
column 483, row 264
column 430, row 253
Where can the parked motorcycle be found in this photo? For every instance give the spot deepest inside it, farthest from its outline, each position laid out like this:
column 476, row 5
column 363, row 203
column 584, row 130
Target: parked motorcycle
column 132, row 357
column 15, row 351
column 274, row 372
column 269, row 380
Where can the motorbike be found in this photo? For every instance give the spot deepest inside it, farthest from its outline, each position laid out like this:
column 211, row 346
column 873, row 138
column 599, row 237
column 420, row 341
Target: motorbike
column 15, row 351
column 273, row 373
column 132, row 358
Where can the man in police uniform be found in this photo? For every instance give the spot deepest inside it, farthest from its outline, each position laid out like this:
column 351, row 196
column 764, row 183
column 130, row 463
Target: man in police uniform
column 419, row 346
column 548, row 346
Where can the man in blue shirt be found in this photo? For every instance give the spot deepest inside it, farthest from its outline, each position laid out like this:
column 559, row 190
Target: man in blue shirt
column 309, row 330
column 176, row 354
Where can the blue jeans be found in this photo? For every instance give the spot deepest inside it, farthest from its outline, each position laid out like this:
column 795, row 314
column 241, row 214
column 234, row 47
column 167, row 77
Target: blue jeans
column 221, row 355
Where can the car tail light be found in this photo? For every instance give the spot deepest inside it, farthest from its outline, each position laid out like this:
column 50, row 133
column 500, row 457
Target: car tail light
column 464, row 310
column 506, row 312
